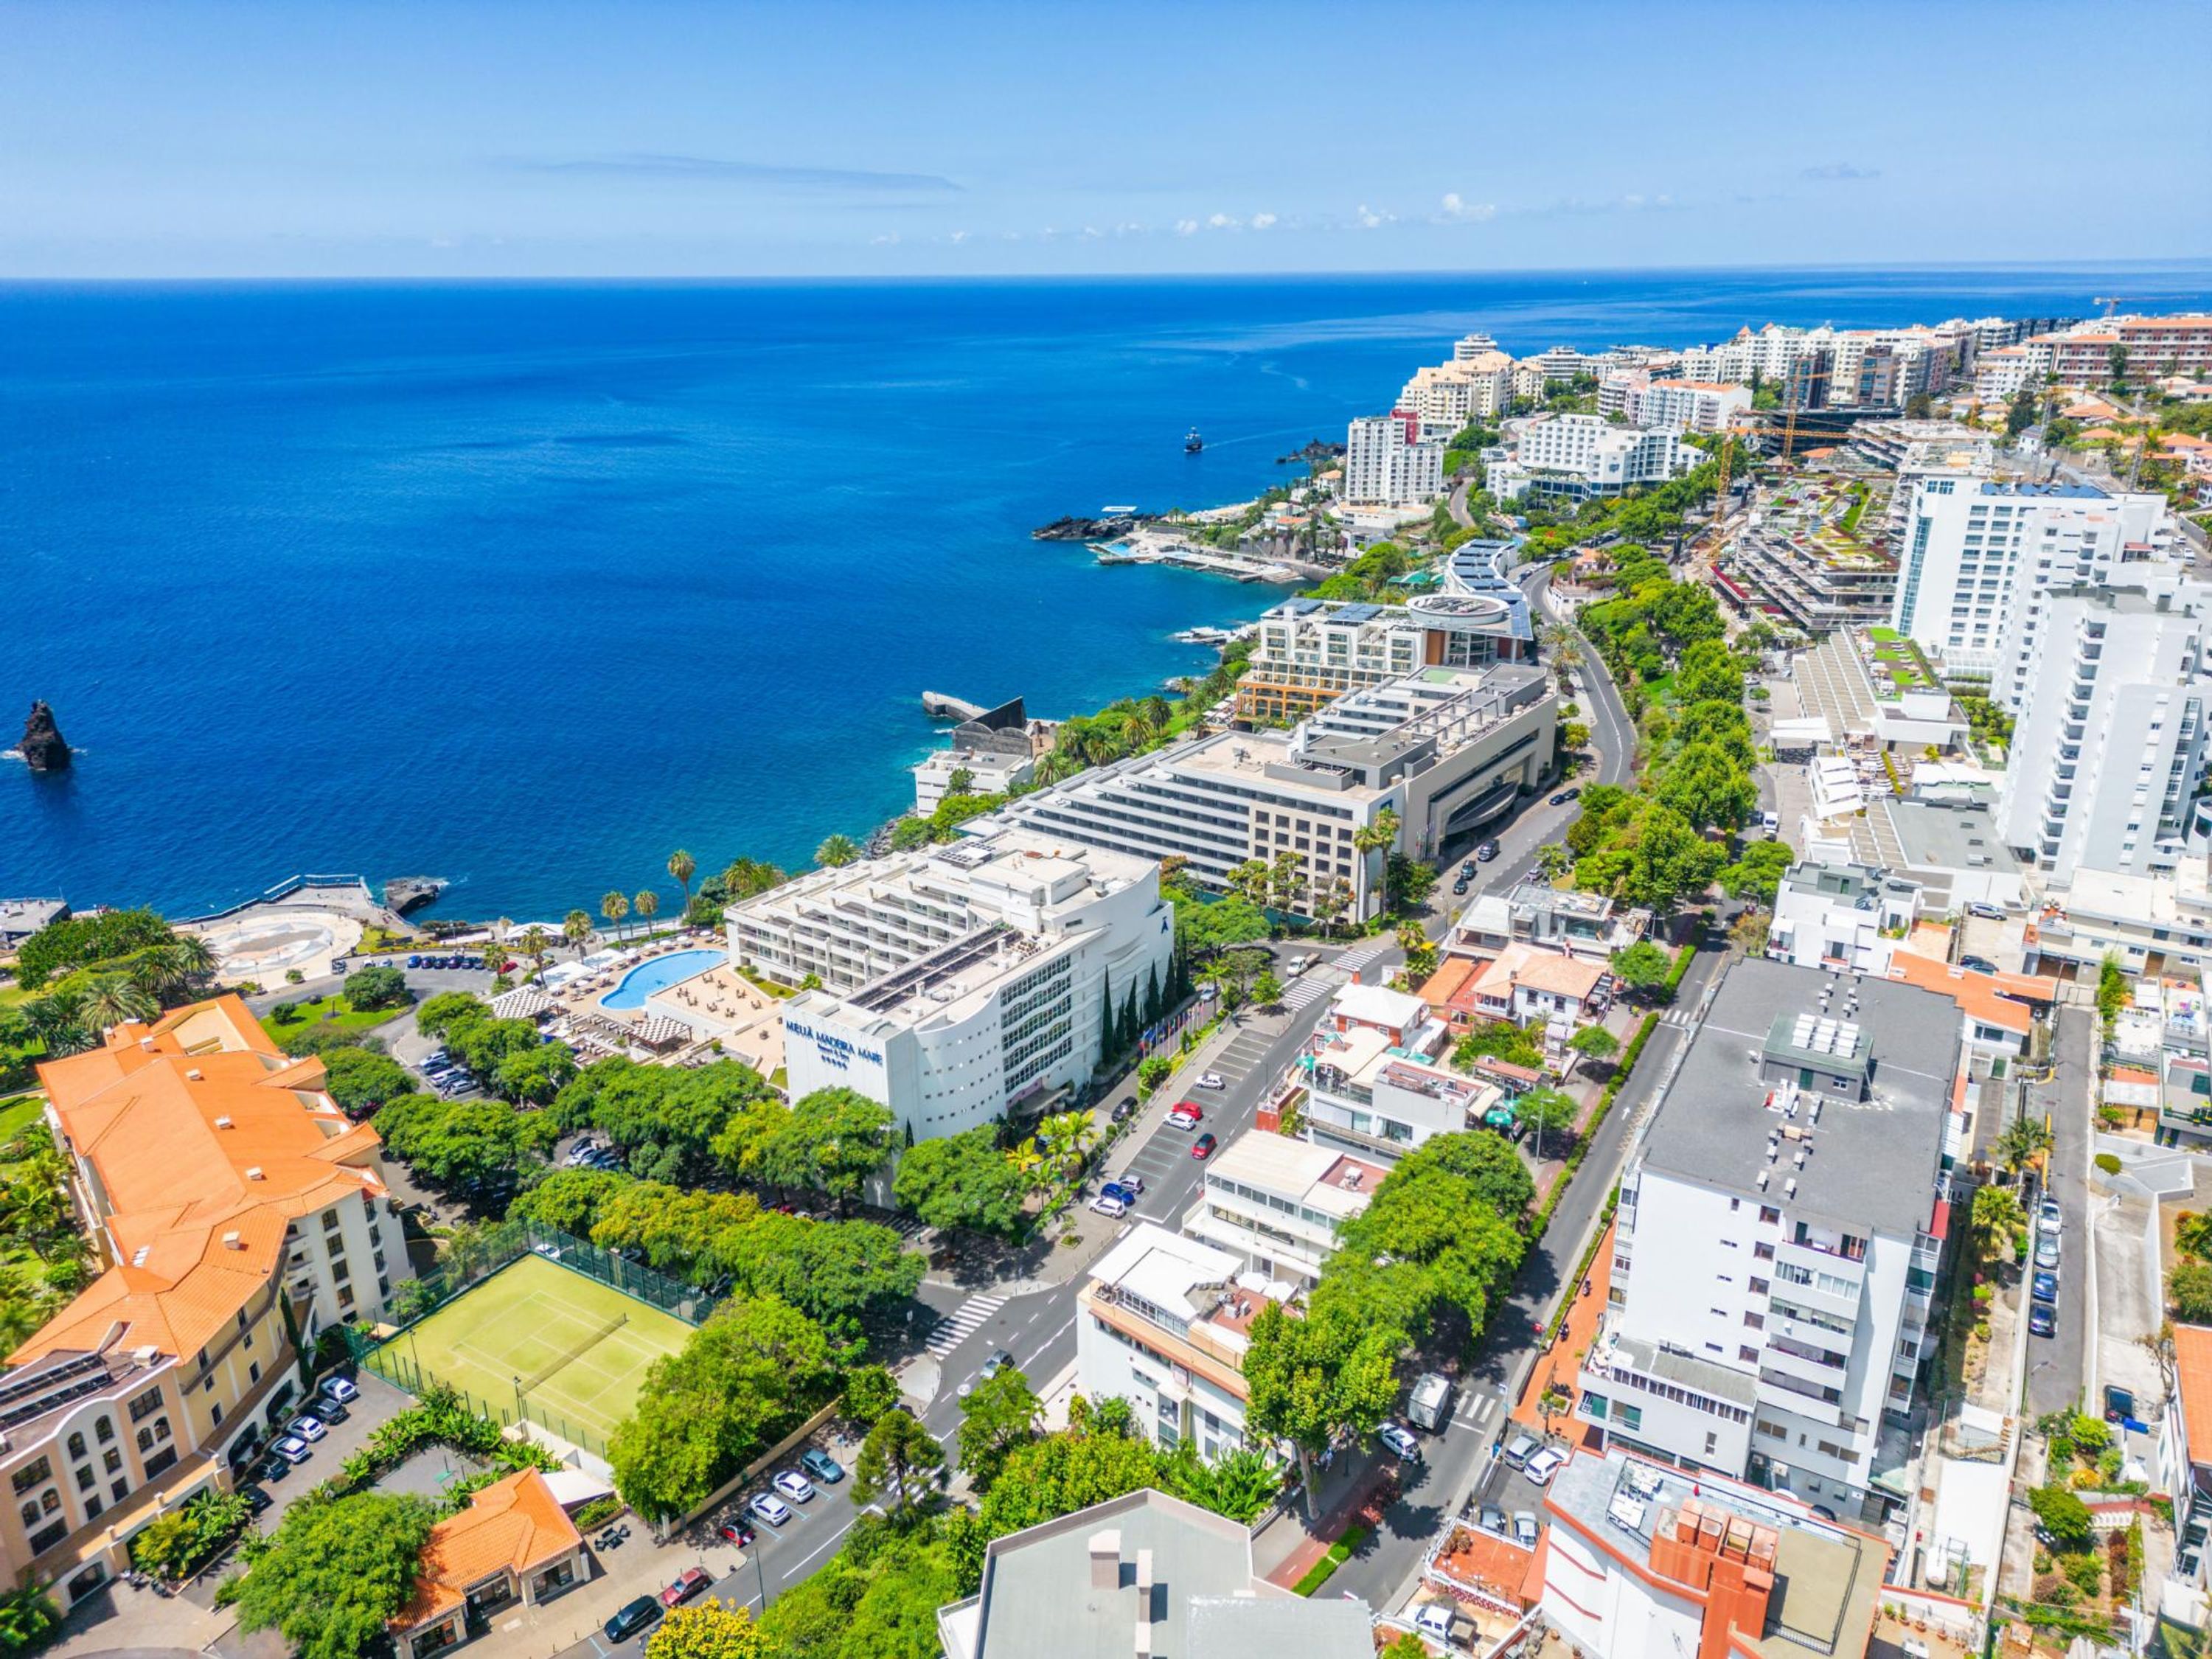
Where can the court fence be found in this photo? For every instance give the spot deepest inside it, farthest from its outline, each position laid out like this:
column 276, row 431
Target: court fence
column 485, row 1254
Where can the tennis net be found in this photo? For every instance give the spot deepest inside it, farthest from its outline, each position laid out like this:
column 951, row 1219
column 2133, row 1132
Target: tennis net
column 570, row 1355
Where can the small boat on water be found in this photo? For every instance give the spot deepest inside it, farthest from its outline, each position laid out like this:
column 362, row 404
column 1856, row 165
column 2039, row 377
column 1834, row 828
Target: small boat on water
column 1193, row 443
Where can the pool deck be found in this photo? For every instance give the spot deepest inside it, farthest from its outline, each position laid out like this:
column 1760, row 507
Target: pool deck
column 729, row 1017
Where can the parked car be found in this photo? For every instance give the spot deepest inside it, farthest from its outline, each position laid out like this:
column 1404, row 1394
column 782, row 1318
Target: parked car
column 1565, row 796
column 1108, row 1204
column 769, row 1508
column 733, row 1530
column 1127, row 1187
column 2048, row 1215
column 1487, row 851
column 999, row 1360
column 2042, row 1319
column 330, row 1411
column 2044, row 1287
column 1984, row 909
column 1202, row 1148
column 1211, row 1080
column 271, row 1468
column 686, row 1584
column 1521, row 1448
column 291, row 1449
column 1186, row 1116
column 2046, row 1251
column 823, row 1467
column 1400, row 1442
column 1492, row 1520
column 1467, row 871
column 1542, row 1466
column 1524, row 1528
column 795, row 1486
column 1458, row 887
column 1125, row 1109
column 1977, row 965
column 631, row 1618
column 1434, row 1619
column 257, row 1500
column 338, row 1389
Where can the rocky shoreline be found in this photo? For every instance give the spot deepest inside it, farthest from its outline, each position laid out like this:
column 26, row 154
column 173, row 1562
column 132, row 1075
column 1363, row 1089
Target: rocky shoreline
column 1073, row 528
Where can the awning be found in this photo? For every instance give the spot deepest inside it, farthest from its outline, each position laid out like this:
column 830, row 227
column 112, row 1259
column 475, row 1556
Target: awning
column 523, row 1002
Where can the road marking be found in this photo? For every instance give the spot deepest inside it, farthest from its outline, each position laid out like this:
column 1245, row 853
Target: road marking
column 970, row 1314
column 828, row 1544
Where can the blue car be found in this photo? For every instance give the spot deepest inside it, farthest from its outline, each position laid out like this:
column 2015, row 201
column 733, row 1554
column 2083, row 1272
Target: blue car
column 2041, row 1320
column 2044, row 1287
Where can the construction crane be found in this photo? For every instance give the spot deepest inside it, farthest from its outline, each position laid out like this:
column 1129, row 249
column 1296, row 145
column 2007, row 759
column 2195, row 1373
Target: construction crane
column 1728, row 436
column 2110, row 305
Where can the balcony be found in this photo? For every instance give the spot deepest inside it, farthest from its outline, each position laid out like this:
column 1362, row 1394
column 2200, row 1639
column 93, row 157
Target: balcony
column 1792, row 1393
column 1802, row 1362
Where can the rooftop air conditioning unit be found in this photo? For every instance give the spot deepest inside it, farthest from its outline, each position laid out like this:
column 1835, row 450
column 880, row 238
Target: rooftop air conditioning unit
column 222, row 1123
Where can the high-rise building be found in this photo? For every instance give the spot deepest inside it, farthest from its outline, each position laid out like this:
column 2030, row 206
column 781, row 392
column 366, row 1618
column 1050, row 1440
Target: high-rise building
column 2109, row 748
column 1583, row 455
column 1388, row 463
column 1778, row 1236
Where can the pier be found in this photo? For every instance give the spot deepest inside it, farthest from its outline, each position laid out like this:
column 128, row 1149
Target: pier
column 939, row 706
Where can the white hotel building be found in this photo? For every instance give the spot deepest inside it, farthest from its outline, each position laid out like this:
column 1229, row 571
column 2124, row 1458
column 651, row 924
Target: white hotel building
column 1583, row 455
column 1388, row 463
column 1779, row 1232
column 957, row 982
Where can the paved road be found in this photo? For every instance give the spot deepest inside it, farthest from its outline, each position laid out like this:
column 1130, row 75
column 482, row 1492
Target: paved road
column 2057, row 1372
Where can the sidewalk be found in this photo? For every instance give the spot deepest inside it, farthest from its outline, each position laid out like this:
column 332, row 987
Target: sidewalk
column 1294, row 1546
column 1561, row 1362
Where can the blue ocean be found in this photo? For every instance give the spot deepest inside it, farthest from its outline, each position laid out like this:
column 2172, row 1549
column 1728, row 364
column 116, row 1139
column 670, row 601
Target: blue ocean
column 525, row 585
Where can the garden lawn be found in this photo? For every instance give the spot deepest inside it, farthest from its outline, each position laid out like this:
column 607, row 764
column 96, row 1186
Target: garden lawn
column 324, row 1012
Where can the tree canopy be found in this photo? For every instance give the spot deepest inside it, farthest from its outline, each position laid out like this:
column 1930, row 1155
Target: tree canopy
column 336, row 1571
column 961, row 1181
column 664, row 1118
column 473, row 1146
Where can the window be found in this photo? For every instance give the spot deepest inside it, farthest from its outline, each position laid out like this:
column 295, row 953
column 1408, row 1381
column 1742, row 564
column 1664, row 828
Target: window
column 217, row 1418
column 44, row 1540
column 1756, row 1321
column 104, row 1430
column 76, row 1446
column 50, row 1500
column 33, row 1473
column 120, row 1491
column 146, row 1404
column 1762, row 1252
column 111, row 1460
column 1768, row 1213
column 1749, row 1356
column 30, row 1515
column 1630, row 1418
column 85, row 1477
column 146, row 1439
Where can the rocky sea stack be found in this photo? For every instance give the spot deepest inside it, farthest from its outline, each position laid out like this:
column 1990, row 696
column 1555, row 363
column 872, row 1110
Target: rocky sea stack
column 43, row 748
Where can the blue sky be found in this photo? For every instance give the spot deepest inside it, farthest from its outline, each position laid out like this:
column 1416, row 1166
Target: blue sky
column 481, row 138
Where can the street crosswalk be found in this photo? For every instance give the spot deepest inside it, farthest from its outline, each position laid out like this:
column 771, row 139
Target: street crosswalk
column 1680, row 1019
column 1307, row 990
column 962, row 1323
column 1353, row 963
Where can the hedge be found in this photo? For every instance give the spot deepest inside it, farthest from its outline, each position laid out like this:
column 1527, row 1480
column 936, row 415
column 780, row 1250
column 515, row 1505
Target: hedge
column 1620, row 1072
column 1338, row 1553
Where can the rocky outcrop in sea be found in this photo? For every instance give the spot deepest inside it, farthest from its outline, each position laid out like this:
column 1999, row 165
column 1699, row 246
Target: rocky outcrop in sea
column 43, row 747
column 1074, row 529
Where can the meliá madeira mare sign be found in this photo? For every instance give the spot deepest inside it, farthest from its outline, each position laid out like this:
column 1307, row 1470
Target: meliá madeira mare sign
column 833, row 1050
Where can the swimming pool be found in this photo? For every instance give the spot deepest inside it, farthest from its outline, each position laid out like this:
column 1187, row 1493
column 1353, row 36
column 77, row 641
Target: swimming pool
column 648, row 977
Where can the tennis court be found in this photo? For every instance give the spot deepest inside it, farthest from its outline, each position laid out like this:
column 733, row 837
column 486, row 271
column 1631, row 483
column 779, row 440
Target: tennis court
column 578, row 1348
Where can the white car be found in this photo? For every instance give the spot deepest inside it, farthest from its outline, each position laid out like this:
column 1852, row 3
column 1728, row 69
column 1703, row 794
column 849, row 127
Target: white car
column 1542, row 1466
column 1400, row 1441
column 2047, row 1215
column 1434, row 1619
column 774, row 1511
column 794, row 1486
column 291, row 1450
column 2046, row 1251
column 306, row 1428
column 1110, row 1206
column 338, row 1389
column 1211, row 1080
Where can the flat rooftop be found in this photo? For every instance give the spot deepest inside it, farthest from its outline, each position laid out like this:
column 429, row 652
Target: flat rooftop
column 1871, row 1164
column 1313, row 1176
column 1937, row 835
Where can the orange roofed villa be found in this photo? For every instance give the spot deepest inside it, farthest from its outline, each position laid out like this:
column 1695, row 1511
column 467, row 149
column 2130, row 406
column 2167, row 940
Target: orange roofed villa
column 514, row 1545
column 239, row 1213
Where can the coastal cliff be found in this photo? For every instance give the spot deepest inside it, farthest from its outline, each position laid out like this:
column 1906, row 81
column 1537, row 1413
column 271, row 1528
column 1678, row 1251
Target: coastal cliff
column 43, row 747
column 1072, row 529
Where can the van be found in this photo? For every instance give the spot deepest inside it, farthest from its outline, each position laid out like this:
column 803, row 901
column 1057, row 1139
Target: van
column 1431, row 1403
column 1771, row 822
column 1299, row 963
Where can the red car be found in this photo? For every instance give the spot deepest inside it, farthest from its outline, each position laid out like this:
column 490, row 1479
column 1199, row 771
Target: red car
column 1203, row 1146
column 1186, row 1116
column 689, row 1583
column 735, row 1531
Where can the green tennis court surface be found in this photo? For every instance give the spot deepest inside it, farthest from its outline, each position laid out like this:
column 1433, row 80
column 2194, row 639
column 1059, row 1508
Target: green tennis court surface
column 579, row 1348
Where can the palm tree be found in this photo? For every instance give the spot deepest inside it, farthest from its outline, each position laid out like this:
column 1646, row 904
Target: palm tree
column 112, row 999
column 58, row 1019
column 536, row 943
column 1379, row 836
column 1997, row 1216
column 1028, row 1161
column 836, row 852
column 2020, row 1142
column 576, row 928
column 194, row 955
column 647, row 905
column 1155, row 712
column 1071, row 1136
column 614, row 907
column 682, row 866
column 1057, row 765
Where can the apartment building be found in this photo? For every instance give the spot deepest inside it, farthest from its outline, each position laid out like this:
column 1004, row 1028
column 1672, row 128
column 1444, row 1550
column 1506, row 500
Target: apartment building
column 1585, row 456
column 2131, row 540
column 1388, row 463
column 2184, row 1453
column 234, row 1203
column 1163, row 1322
column 1476, row 385
column 1143, row 1575
column 1841, row 915
column 2154, row 347
column 1634, row 395
column 2149, row 924
column 1971, row 545
column 1779, row 1232
column 1377, row 1084
column 1446, row 751
column 2110, row 747
column 1276, row 1203
column 1590, row 925
column 1308, row 652
column 959, row 983
column 998, row 749
column 1642, row 1562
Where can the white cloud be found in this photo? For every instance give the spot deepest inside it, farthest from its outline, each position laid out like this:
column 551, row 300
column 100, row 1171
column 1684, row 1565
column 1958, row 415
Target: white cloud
column 1185, row 227
column 1373, row 218
column 957, row 236
column 1092, row 232
column 1263, row 222
column 1458, row 209
column 1222, row 221
column 889, row 239
column 1129, row 227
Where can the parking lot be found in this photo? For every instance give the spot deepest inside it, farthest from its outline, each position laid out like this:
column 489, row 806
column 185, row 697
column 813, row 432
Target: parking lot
column 378, row 1403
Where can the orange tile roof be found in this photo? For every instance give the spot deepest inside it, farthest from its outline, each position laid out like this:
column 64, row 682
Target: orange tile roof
column 1444, row 984
column 1542, row 971
column 2192, row 1368
column 515, row 1523
column 207, row 1140
column 1992, row 999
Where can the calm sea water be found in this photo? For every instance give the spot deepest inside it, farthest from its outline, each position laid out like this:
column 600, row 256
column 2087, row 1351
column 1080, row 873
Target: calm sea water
column 526, row 585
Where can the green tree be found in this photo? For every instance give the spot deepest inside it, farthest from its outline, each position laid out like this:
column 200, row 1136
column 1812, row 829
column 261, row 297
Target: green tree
column 1096, row 1459
column 898, row 1464
column 473, row 1146
column 2020, row 413
column 2062, row 1515
column 2192, row 1234
column 1239, row 1485
column 109, row 999
column 2114, row 992
column 1708, row 672
column 2021, row 1141
column 1497, row 1039
column 1997, row 1216
column 1250, row 881
column 831, row 1140
column 78, row 942
column 1203, row 929
column 999, row 1413
column 836, row 851
column 708, row 1631
column 537, row 944
column 1313, row 1379
column 1642, row 966
column 361, row 1081
column 335, row 1572
column 1550, row 1114
column 569, row 1201
column 576, row 928
column 1596, row 1044
column 1708, row 789
column 614, row 907
column 2190, row 1285
column 379, row 986
column 961, row 1181
column 647, row 904
column 682, row 866
column 534, row 1076
column 870, row 1391
column 1758, row 871
column 1268, row 989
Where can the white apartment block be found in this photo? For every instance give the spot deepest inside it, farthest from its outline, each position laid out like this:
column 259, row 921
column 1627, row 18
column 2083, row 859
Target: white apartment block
column 2125, row 541
column 1307, row 650
column 1388, row 463
column 1779, row 1231
column 959, row 982
column 1377, row 1084
column 1583, row 455
column 1446, row 750
column 1276, row 1203
column 1474, row 385
column 1972, row 543
column 2109, row 746
column 1633, row 395
column 1161, row 1323
column 1841, row 915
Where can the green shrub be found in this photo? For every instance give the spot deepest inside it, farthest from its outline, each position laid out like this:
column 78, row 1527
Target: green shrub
column 599, row 1511
column 2109, row 1162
